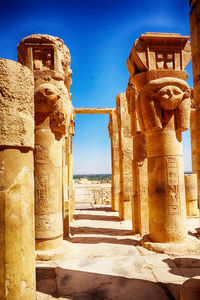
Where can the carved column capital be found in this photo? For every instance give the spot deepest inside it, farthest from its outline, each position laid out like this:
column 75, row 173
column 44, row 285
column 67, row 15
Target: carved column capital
column 162, row 99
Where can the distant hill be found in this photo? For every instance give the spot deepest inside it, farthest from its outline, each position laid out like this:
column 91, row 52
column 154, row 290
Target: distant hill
column 94, row 176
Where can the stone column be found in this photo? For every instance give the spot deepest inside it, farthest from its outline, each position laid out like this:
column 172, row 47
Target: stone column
column 49, row 59
column 125, row 156
column 140, row 205
column 191, row 194
column 66, row 227
column 193, row 133
column 111, row 149
column 164, row 152
column 195, row 41
column 70, row 173
column 17, row 231
column 114, row 136
column 156, row 65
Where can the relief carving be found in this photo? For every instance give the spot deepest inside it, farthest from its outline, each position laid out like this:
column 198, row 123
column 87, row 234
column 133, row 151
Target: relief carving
column 43, row 59
column 161, row 99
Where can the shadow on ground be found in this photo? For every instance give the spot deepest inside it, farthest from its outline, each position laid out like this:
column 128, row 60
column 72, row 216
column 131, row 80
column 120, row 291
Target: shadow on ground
column 96, row 218
column 101, row 231
column 188, row 266
column 97, row 240
column 79, row 285
column 83, row 207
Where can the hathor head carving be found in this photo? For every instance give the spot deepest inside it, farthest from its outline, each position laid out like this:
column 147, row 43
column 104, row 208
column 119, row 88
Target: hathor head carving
column 46, row 96
column 60, row 116
column 162, row 99
column 169, row 97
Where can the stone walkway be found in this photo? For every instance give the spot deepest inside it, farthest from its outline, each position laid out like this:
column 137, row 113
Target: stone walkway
column 104, row 261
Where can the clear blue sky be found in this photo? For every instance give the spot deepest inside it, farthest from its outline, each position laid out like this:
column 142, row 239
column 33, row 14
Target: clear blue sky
column 100, row 35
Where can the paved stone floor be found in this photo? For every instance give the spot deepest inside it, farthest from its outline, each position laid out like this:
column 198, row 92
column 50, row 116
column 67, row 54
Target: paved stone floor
column 104, row 261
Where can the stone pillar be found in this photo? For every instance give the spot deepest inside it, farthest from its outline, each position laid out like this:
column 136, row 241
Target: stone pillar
column 156, row 65
column 125, row 156
column 111, row 149
column 49, row 59
column 70, row 173
column 140, row 205
column 66, row 227
column 191, row 194
column 17, row 231
column 114, row 136
column 193, row 133
column 195, row 41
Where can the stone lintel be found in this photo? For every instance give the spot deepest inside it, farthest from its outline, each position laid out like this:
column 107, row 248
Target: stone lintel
column 93, row 110
column 172, row 38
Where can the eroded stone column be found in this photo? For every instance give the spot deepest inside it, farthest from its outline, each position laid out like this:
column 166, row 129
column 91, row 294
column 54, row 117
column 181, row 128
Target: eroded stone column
column 140, row 205
column 195, row 41
column 191, row 194
column 114, row 136
column 193, row 133
column 125, row 156
column 17, row 230
column 49, row 59
column 70, row 173
column 156, row 65
column 66, row 228
column 164, row 151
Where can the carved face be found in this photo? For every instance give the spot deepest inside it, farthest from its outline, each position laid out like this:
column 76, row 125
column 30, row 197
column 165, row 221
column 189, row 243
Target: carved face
column 169, row 97
column 58, row 121
column 45, row 97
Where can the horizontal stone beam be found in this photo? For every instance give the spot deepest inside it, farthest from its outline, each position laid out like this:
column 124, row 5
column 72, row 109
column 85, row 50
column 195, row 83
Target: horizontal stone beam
column 93, row 110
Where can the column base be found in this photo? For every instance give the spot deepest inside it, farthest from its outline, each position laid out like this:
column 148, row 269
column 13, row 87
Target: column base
column 191, row 245
column 57, row 253
column 190, row 289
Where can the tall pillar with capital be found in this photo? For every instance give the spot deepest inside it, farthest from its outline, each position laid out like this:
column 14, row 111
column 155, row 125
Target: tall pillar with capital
column 49, row 59
column 156, row 65
column 114, row 137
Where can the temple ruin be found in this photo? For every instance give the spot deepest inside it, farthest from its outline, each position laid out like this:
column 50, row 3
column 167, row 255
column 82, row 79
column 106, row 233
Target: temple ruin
column 148, row 185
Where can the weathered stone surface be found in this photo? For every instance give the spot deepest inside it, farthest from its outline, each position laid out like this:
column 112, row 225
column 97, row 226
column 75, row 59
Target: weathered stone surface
column 195, row 40
column 16, row 105
column 191, row 194
column 140, row 205
column 93, row 110
column 166, row 51
column 156, row 67
column 165, row 166
column 49, row 59
column 17, row 232
column 193, row 133
column 114, row 136
column 125, row 156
